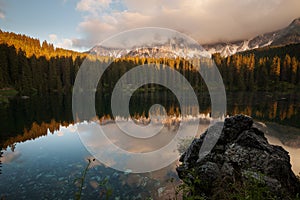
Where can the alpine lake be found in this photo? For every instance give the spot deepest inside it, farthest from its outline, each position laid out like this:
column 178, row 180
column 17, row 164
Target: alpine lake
column 43, row 156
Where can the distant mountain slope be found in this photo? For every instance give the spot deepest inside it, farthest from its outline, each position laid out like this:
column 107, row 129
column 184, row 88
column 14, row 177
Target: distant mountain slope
column 285, row 36
column 173, row 48
column 271, row 51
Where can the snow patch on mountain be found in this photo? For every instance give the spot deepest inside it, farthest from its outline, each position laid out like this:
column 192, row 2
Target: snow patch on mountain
column 285, row 36
column 178, row 47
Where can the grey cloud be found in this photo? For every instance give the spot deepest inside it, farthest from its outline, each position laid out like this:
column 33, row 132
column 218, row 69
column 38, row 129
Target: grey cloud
column 205, row 21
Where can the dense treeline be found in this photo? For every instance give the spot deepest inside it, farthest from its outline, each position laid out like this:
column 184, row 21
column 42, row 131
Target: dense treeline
column 32, row 46
column 121, row 65
column 36, row 74
column 31, row 67
column 267, row 69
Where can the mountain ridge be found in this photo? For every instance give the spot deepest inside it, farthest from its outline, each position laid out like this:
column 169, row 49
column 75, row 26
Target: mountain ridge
column 288, row 35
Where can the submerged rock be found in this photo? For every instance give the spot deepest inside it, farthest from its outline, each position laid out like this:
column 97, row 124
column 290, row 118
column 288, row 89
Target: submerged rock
column 241, row 154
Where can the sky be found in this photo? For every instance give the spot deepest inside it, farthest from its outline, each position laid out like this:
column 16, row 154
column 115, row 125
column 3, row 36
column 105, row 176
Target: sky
column 81, row 24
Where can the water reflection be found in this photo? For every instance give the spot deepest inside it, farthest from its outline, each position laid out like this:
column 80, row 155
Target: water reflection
column 36, row 131
column 52, row 163
column 20, row 113
column 293, row 152
column 115, row 148
column 287, row 137
column 10, row 156
column 274, row 107
column 42, row 153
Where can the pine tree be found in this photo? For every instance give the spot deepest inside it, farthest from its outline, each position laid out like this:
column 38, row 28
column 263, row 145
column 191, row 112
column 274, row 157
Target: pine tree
column 293, row 69
column 4, row 76
column 35, row 73
column 285, row 73
column 13, row 65
column 275, row 69
column 25, row 85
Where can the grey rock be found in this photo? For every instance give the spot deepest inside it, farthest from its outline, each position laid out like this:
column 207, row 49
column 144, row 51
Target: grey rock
column 209, row 172
column 242, row 152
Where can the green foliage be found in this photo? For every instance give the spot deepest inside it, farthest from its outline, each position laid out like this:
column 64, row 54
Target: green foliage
column 106, row 190
column 5, row 93
column 188, row 189
column 8, row 92
column 253, row 188
column 81, row 180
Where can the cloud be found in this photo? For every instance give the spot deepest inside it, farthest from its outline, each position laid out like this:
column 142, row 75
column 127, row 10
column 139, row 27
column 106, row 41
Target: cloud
column 52, row 38
column 206, row 21
column 10, row 156
column 114, row 148
column 61, row 42
column 65, row 43
column 94, row 7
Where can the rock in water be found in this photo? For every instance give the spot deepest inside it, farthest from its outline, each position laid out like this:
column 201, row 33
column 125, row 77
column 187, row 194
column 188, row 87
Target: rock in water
column 242, row 155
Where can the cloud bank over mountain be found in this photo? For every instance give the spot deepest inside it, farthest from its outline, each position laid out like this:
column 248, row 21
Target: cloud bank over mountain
column 206, row 21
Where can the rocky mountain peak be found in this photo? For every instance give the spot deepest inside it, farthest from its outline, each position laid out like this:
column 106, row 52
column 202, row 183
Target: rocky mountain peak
column 295, row 22
column 285, row 36
column 174, row 47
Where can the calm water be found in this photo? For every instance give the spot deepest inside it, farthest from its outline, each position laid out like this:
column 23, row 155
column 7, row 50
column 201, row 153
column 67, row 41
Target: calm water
column 43, row 155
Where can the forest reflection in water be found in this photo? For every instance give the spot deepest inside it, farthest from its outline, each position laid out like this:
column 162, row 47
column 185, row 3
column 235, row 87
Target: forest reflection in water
column 52, row 163
column 30, row 118
column 51, row 117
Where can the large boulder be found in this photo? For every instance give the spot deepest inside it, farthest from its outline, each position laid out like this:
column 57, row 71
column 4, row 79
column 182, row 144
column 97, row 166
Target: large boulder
column 242, row 155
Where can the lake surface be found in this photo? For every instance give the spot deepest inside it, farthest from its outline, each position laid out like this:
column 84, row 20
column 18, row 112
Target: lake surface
column 43, row 154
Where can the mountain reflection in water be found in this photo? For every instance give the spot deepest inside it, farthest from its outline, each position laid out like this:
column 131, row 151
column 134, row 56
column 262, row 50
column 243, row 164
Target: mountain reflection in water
column 43, row 152
column 52, row 162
